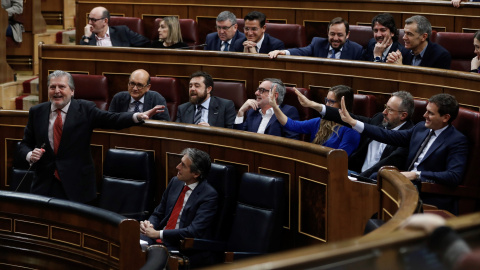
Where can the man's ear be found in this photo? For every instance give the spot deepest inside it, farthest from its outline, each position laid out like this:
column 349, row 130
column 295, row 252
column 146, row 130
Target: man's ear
column 446, row 118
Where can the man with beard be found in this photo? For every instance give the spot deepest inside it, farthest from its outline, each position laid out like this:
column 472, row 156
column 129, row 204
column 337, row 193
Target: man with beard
column 256, row 115
column 385, row 39
column 420, row 50
column 336, row 46
column 203, row 108
column 371, row 155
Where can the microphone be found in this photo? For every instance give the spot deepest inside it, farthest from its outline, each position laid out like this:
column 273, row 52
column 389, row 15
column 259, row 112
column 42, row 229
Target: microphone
column 29, row 168
column 194, row 46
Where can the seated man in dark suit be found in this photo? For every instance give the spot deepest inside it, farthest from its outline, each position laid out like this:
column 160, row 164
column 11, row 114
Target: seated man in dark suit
column 188, row 206
column 97, row 32
column 138, row 98
column 337, row 45
column 256, row 40
column 437, row 150
column 385, row 39
column 421, row 51
column 203, row 108
column 226, row 35
column 259, row 114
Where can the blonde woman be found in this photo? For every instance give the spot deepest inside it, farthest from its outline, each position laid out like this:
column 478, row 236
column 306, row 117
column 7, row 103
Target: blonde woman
column 169, row 35
column 323, row 132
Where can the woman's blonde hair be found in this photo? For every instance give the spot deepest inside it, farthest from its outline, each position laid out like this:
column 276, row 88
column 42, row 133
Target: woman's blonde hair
column 328, row 127
column 174, row 32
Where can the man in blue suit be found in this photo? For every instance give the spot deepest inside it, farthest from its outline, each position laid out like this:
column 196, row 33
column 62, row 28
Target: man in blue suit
column 256, row 40
column 337, row 45
column 139, row 98
column 385, row 39
column 98, row 33
column 421, row 51
column 188, row 206
column 256, row 115
column 203, row 108
column 437, row 150
column 226, row 35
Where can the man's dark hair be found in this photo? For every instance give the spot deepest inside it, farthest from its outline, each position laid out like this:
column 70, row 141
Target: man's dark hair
column 407, row 105
column 227, row 15
column 256, row 15
column 477, row 35
column 387, row 20
column 447, row 104
column 201, row 162
column 343, row 91
column 423, row 25
column 207, row 79
column 339, row 20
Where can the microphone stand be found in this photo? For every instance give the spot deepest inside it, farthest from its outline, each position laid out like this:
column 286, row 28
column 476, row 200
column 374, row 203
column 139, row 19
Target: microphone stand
column 29, row 168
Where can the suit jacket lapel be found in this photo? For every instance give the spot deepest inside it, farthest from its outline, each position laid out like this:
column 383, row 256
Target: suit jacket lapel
column 113, row 37
column 69, row 125
column 192, row 199
column 344, row 54
column 147, row 104
column 43, row 126
column 438, row 141
column 212, row 111
column 189, row 113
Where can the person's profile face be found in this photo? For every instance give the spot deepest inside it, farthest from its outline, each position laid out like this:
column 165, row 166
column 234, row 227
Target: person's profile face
column 183, row 171
column 96, row 20
column 337, row 35
column 476, row 44
column 226, row 30
column 253, row 31
column 392, row 114
column 162, row 30
column 331, row 100
column 411, row 38
column 59, row 92
column 197, row 90
column 433, row 119
column 262, row 93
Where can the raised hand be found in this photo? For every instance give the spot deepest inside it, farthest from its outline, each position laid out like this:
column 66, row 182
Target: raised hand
column 345, row 115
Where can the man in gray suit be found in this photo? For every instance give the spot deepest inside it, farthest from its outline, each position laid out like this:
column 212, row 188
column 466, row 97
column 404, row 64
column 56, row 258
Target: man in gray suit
column 138, row 98
column 203, row 108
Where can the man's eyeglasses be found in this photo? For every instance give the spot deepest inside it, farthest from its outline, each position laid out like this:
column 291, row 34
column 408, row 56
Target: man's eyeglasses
column 262, row 90
column 224, row 28
column 390, row 110
column 254, row 29
column 138, row 85
column 331, row 101
column 94, row 20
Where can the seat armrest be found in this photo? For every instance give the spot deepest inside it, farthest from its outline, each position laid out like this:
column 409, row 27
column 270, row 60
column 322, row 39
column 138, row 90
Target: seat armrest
column 202, row 244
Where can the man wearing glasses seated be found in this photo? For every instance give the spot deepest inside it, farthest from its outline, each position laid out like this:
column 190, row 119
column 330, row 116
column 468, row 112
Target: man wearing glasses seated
column 226, row 35
column 256, row 40
column 256, row 115
column 98, row 33
column 138, row 98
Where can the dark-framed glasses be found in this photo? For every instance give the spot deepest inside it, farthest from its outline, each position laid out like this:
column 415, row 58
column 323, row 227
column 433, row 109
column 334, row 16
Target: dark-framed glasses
column 331, row 101
column 254, row 29
column 95, row 20
column 138, row 85
column 224, row 28
column 262, row 90
column 390, row 110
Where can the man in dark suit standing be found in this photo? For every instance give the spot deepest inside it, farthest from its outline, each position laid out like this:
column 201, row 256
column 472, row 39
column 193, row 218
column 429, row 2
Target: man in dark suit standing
column 437, row 151
column 57, row 140
column 139, row 98
column 203, row 108
column 226, row 35
column 336, row 46
column 188, row 206
column 421, row 51
column 98, row 33
column 385, row 39
column 256, row 115
column 256, row 40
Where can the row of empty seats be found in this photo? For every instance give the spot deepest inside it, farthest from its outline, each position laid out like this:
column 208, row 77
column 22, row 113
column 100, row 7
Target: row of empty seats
column 460, row 45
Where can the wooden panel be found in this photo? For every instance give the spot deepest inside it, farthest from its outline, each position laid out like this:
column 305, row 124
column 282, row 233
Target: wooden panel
column 7, row 73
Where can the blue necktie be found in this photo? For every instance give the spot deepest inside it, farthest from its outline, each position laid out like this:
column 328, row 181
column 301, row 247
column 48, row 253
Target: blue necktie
column 198, row 115
column 225, row 48
column 334, row 51
column 137, row 106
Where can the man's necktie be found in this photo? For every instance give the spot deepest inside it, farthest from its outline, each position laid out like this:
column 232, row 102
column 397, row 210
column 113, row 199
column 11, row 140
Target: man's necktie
column 226, row 47
column 420, row 150
column 172, row 221
column 198, row 115
column 57, row 135
column 137, row 106
column 334, row 52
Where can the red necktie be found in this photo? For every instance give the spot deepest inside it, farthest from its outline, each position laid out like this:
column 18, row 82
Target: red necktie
column 172, row 221
column 57, row 135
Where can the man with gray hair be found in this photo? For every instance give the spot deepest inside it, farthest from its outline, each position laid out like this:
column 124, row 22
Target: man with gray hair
column 259, row 114
column 226, row 34
column 420, row 50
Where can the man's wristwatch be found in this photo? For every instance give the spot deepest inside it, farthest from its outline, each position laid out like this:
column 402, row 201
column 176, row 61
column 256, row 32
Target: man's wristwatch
column 377, row 59
column 85, row 37
column 417, row 174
